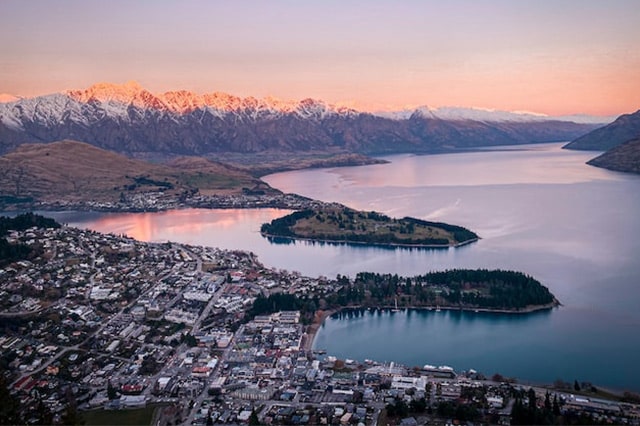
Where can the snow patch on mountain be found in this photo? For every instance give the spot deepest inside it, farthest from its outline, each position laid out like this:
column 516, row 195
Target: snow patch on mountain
column 48, row 109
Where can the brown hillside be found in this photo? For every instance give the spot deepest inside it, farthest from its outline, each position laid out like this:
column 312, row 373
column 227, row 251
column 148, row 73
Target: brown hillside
column 622, row 158
column 70, row 170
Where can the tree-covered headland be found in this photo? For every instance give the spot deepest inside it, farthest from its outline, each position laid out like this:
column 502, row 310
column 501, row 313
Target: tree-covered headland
column 467, row 289
column 342, row 224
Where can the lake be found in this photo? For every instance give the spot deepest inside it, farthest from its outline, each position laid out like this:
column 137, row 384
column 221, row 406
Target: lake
column 538, row 209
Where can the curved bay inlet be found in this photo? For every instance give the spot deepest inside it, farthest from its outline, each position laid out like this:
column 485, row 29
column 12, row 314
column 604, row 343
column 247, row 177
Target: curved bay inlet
column 538, row 209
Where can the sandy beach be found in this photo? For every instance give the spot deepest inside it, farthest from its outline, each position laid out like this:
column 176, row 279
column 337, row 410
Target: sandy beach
column 312, row 329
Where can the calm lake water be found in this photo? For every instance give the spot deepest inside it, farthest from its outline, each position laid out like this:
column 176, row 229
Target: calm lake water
column 538, row 209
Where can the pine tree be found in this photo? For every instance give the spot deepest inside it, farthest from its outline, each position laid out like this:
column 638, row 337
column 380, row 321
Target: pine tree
column 556, row 406
column 253, row 419
column 111, row 391
column 547, row 402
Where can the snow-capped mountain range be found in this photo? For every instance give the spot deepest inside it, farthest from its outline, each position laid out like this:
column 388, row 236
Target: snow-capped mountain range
column 490, row 115
column 119, row 97
column 128, row 118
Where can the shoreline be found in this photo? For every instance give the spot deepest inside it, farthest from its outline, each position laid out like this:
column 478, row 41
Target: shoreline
column 320, row 317
column 311, row 330
column 373, row 244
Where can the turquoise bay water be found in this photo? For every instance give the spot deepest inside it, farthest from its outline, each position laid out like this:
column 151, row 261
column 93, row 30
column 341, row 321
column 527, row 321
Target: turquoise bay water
column 538, row 209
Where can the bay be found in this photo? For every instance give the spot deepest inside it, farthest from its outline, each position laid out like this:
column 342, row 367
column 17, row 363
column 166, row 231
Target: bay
column 539, row 209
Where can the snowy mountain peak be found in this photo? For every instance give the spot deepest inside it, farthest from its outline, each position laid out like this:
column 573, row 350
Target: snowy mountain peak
column 183, row 101
column 5, row 98
column 280, row 105
column 108, row 92
column 485, row 114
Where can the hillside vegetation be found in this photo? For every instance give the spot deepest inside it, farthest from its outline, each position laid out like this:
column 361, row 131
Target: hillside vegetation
column 460, row 288
column 70, row 170
column 622, row 158
column 624, row 128
column 466, row 289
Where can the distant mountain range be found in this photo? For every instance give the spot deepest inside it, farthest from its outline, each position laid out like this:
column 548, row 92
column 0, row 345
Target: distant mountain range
column 490, row 115
column 620, row 140
column 623, row 129
column 131, row 120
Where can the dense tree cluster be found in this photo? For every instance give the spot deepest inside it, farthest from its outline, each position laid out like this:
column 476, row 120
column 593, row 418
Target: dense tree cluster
column 10, row 406
column 14, row 252
column 465, row 288
column 282, row 226
column 25, row 221
column 457, row 410
column 526, row 411
column 399, row 408
column 459, row 288
column 490, row 288
column 283, row 302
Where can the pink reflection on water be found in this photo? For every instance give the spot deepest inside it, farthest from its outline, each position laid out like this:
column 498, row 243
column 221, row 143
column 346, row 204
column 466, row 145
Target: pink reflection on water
column 192, row 223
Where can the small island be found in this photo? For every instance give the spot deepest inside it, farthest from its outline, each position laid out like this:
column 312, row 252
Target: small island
column 337, row 223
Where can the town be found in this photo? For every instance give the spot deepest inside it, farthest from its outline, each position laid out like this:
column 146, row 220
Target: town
column 104, row 322
column 160, row 201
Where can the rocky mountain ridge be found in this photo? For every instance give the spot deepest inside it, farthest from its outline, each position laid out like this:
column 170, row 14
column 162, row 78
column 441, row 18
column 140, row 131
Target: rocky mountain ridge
column 621, row 158
column 623, row 129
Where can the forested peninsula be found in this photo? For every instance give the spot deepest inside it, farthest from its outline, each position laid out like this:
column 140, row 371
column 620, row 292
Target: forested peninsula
column 463, row 289
column 342, row 224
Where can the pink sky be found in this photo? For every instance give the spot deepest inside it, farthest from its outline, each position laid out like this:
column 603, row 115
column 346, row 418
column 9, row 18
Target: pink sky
column 554, row 57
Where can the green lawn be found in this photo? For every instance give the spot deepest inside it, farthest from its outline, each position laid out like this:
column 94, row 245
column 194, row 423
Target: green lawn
column 139, row 416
